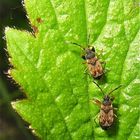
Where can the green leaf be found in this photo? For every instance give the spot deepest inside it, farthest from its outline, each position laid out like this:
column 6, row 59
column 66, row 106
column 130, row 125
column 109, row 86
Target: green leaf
column 50, row 70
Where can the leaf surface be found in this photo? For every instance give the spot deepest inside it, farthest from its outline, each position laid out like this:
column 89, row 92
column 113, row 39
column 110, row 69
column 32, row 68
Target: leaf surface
column 49, row 69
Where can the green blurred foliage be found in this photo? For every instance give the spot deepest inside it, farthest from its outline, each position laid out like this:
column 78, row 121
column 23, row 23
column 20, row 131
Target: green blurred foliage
column 12, row 127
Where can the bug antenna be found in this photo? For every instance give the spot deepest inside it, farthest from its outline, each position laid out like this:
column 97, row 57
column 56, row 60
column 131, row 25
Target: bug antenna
column 114, row 89
column 99, row 87
column 78, row 45
column 88, row 39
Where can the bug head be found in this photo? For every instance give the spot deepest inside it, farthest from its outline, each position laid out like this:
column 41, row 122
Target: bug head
column 107, row 100
column 90, row 53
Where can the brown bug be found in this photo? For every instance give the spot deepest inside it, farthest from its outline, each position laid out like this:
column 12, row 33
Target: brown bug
column 106, row 115
column 94, row 65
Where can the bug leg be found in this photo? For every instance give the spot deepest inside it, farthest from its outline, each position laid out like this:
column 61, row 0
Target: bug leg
column 115, row 108
column 105, row 69
column 85, row 71
column 83, row 62
column 115, row 116
column 97, row 102
column 104, row 64
column 101, row 53
column 97, row 116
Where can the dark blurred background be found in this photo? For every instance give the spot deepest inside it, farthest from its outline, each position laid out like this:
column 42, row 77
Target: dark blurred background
column 12, row 127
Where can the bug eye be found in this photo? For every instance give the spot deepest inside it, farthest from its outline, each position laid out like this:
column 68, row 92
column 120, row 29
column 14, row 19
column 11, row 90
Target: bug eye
column 112, row 98
column 93, row 49
column 83, row 56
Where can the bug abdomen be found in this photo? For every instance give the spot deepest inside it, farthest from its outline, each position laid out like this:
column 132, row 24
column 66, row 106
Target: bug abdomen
column 106, row 117
column 95, row 67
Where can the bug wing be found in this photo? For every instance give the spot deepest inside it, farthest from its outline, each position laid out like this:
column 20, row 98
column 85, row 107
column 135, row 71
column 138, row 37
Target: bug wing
column 106, row 119
column 110, row 118
column 102, row 118
column 98, row 69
